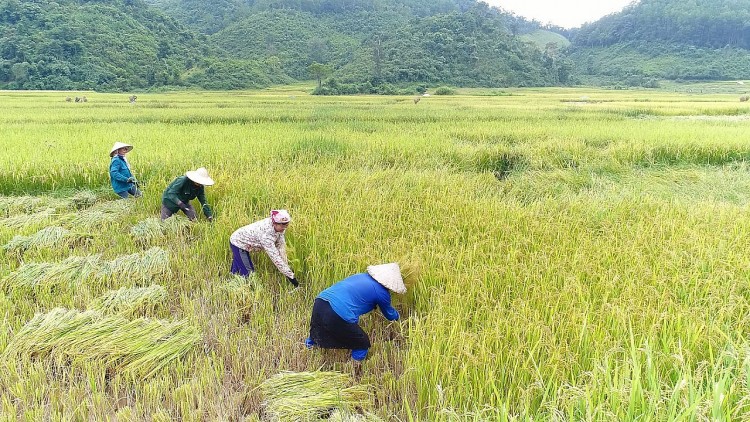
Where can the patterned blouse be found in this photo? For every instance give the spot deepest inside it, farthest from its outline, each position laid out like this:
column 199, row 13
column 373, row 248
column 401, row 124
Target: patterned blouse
column 262, row 236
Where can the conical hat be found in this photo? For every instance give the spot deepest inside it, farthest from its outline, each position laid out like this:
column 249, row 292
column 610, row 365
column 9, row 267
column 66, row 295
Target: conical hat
column 117, row 146
column 200, row 176
column 389, row 275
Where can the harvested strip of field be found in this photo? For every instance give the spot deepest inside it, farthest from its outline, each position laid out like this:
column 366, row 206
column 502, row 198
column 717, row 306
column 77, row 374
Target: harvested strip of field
column 153, row 228
column 75, row 270
column 137, row 348
column 49, row 237
column 130, row 301
column 27, row 204
column 313, row 395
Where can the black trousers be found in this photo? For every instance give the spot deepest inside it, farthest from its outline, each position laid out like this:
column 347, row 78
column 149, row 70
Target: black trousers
column 329, row 331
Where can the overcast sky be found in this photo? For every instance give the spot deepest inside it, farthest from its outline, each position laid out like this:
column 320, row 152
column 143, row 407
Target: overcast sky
column 565, row 13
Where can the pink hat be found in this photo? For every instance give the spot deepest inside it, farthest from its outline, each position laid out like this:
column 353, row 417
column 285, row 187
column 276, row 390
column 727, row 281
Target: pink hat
column 280, row 216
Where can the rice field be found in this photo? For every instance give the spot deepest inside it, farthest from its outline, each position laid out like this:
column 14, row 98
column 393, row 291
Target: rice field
column 573, row 254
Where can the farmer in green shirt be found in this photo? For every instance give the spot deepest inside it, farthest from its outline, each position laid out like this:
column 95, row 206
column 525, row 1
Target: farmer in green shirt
column 178, row 194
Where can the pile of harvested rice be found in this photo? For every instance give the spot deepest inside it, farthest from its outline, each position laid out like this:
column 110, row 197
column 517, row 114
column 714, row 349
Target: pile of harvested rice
column 10, row 205
column 130, row 301
column 313, row 395
column 138, row 347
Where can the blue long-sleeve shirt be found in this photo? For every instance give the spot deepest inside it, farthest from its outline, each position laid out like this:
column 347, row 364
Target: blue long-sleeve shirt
column 119, row 173
column 357, row 295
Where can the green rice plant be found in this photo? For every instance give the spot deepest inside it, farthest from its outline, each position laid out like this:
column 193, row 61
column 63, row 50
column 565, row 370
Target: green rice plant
column 49, row 237
column 153, row 228
column 130, row 301
column 20, row 221
column 313, row 395
column 137, row 348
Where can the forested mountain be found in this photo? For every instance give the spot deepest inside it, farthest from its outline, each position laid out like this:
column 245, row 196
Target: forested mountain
column 104, row 44
column 671, row 39
column 373, row 45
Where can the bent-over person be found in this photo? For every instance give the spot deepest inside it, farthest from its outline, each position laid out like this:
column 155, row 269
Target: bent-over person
column 182, row 190
column 266, row 235
column 334, row 323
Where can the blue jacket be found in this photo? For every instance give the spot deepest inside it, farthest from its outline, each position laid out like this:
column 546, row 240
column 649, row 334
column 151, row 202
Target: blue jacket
column 357, row 295
column 119, row 173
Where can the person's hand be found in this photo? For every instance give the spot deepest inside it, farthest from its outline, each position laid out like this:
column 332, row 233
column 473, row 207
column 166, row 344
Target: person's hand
column 211, row 219
column 131, row 179
column 294, row 281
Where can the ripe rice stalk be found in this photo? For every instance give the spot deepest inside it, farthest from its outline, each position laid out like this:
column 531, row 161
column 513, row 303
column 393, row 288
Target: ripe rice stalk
column 48, row 237
column 312, row 395
column 20, row 221
column 153, row 228
column 130, row 301
column 136, row 348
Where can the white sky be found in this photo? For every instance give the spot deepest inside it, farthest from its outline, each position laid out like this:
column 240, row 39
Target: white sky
column 565, row 13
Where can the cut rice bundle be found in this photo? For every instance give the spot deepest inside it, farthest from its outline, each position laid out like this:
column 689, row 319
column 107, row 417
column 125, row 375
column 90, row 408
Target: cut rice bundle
column 138, row 347
column 153, row 228
column 20, row 221
column 49, row 237
column 312, row 395
column 11, row 205
column 76, row 270
column 101, row 214
column 130, row 301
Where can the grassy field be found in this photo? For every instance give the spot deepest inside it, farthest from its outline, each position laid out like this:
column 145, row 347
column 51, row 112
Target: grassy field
column 574, row 254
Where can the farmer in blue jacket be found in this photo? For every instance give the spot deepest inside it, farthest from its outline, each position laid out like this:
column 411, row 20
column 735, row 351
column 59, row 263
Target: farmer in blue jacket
column 336, row 311
column 123, row 182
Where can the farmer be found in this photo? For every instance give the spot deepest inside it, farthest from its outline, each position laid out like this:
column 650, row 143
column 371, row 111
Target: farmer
column 123, row 182
column 178, row 194
column 336, row 310
column 267, row 235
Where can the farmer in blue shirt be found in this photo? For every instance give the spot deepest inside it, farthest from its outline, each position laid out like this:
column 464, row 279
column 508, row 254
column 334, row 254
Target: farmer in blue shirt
column 336, row 311
column 123, row 182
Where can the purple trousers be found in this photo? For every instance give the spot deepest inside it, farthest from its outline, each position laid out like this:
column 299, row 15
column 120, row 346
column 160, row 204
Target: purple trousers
column 241, row 262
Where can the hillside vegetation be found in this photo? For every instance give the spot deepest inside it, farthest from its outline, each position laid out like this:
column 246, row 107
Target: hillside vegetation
column 669, row 39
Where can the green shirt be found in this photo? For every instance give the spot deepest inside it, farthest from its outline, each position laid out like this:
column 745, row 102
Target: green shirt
column 183, row 189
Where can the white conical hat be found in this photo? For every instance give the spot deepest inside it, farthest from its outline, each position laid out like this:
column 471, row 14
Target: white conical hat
column 200, row 176
column 117, row 146
column 389, row 275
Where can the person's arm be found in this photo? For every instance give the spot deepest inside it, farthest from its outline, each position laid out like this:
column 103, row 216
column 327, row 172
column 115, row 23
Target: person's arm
column 384, row 303
column 281, row 246
column 270, row 247
column 117, row 171
column 201, row 195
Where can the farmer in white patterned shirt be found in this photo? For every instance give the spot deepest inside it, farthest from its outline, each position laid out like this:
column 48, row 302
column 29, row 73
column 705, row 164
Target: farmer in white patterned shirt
column 267, row 235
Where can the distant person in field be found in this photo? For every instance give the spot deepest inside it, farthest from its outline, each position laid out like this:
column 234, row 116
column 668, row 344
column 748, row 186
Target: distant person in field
column 120, row 175
column 336, row 311
column 178, row 194
column 266, row 235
